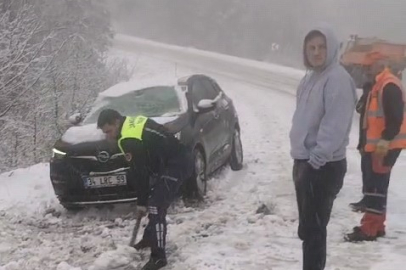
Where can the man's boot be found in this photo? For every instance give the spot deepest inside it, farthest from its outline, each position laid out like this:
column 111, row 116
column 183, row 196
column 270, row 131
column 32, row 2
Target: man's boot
column 359, row 206
column 370, row 229
column 357, row 235
column 381, row 228
column 155, row 264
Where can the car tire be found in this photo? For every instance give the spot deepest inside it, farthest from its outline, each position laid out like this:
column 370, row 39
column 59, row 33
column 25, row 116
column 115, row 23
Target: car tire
column 199, row 180
column 237, row 153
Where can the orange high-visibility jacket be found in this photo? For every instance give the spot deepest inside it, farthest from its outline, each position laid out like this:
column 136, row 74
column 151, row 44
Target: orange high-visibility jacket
column 374, row 119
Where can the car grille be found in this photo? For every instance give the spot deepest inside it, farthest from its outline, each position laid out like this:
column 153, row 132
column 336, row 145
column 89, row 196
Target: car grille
column 69, row 173
column 86, row 166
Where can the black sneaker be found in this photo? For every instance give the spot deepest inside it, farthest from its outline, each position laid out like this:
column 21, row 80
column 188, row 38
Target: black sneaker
column 155, row 264
column 358, row 206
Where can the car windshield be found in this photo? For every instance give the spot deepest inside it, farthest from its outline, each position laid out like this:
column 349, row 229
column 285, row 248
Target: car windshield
column 151, row 102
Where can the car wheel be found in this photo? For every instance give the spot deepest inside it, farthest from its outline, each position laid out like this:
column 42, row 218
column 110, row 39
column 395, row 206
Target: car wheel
column 237, row 154
column 200, row 180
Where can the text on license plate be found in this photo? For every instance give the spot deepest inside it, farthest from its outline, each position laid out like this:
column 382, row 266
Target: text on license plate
column 105, row 181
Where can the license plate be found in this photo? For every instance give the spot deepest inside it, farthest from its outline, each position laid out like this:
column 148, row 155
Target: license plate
column 105, row 181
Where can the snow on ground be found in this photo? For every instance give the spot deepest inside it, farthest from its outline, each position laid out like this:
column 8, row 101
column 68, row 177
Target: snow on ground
column 226, row 232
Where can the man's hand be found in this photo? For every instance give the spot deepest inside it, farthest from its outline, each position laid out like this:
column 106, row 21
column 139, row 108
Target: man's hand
column 141, row 211
column 382, row 148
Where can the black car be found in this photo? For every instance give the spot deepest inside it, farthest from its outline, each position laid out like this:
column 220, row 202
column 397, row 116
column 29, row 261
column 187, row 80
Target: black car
column 86, row 169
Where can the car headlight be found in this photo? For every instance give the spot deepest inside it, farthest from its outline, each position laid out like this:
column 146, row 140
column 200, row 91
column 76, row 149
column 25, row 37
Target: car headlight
column 57, row 153
column 177, row 135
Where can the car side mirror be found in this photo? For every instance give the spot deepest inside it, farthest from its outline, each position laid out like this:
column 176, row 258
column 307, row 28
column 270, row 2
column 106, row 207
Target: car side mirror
column 75, row 119
column 206, row 105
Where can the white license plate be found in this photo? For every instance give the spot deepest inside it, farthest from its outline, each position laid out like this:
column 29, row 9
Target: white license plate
column 105, row 181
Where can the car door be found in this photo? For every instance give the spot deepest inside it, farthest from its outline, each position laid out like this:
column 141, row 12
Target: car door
column 227, row 114
column 208, row 124
column 221, row 107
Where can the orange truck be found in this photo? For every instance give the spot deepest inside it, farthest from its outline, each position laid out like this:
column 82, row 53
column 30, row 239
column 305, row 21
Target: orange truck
column 359, row 52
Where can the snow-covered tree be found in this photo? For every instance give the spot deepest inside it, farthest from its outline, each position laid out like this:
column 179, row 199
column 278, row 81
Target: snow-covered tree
column 53, row 62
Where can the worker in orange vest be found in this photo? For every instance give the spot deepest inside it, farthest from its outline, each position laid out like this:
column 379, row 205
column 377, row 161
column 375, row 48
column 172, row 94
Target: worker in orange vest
column 384, row 131
column 360, row 108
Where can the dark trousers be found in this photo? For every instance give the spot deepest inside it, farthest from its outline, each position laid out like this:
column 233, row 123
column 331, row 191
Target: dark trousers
column 316, row 191
column 163, row 193
column 364, row 169
column 377, row 173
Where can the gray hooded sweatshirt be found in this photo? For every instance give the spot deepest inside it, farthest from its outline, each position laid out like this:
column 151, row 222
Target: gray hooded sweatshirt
column 325, row 105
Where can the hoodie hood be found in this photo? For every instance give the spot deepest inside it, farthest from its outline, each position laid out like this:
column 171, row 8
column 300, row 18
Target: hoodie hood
column 332, row 43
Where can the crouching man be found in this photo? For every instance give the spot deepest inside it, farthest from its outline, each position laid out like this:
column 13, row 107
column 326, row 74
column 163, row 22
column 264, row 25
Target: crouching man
column 153, row 153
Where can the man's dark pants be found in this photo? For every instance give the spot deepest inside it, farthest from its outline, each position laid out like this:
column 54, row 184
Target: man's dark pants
column 163, row 193
column 377, row 175
column 365, row 165
column 316, row 191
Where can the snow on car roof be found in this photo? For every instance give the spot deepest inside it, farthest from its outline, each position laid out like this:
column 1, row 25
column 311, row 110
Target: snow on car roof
column 134, row 85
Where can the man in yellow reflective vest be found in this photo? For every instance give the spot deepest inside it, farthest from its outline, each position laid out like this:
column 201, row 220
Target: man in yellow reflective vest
column 384, row 136
column 160, row 164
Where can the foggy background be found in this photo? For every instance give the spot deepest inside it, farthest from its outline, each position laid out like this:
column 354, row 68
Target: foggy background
column 54, row 54
column 248, row 28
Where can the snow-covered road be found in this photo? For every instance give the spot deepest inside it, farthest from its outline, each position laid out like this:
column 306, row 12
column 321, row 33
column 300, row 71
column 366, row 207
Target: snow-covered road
column 226, row 232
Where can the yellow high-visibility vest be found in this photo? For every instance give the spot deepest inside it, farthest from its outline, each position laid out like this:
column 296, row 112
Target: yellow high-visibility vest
column 133, row 128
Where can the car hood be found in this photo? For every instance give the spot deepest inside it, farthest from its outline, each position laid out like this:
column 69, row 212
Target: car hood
column 89, row 141
column 90, row 133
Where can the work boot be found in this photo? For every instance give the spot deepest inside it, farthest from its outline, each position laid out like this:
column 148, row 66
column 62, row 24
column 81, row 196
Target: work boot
column 381, row 234
column 357, row 235
column 381, row 227
column 359, row 206
column 372, row 227
column 155, row 264
column 142, row 244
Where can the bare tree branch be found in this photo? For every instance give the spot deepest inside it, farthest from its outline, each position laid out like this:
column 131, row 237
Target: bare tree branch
column 36, row 80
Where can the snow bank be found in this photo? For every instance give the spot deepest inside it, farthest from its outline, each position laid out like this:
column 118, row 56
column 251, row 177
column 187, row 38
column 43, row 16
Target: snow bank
column 118, row 259
column 27, row 190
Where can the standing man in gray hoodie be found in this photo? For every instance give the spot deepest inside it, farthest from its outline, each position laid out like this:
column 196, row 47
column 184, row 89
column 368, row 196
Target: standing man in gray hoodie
column 321, row 124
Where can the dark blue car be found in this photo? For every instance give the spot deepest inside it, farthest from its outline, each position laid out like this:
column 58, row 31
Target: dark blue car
column 86, row 169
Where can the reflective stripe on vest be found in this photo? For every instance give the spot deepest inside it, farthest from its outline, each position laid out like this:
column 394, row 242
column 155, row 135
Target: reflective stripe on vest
column 133, row 128
column 375, row 115
column 379, row 110
column 397, row 138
